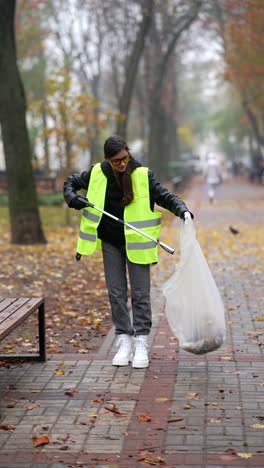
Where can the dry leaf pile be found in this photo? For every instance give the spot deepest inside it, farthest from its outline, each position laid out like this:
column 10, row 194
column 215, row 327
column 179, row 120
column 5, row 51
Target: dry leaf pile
column 77, row 308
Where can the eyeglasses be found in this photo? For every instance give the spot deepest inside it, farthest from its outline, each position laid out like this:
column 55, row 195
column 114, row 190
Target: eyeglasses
column 117, row 162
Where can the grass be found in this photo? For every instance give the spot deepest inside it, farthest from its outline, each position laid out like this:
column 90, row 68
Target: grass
column 44, row 199
column 51, row 216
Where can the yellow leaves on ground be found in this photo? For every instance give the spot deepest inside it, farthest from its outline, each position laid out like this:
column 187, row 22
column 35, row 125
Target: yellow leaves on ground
column 244, row 455
column 243, row 253
column 77, row 307
column 232, row 451
column 150, row 458
column 192, row 396
column 257, row 426
column 161, row 399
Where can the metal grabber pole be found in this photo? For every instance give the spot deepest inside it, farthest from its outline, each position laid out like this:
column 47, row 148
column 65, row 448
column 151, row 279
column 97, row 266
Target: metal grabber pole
column 161, row 244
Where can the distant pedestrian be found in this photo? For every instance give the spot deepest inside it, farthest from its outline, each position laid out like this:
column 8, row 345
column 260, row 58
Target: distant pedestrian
column 213, row 177
column 127, row 190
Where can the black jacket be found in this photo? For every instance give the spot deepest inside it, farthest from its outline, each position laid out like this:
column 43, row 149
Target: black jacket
column 108, row 229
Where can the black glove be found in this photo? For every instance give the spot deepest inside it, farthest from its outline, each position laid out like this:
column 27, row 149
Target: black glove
column 77, row 203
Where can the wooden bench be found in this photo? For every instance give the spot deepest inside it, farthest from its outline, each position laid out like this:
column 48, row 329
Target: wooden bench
column 13, row 311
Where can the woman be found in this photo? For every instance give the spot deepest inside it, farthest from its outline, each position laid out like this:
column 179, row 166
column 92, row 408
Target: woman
column 122, row 187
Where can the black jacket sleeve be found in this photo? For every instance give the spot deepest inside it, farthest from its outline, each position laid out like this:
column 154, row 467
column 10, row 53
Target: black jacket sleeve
column 75, row 182
column 162, row 197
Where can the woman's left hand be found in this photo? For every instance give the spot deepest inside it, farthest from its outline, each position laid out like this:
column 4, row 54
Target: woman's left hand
column 187, row 217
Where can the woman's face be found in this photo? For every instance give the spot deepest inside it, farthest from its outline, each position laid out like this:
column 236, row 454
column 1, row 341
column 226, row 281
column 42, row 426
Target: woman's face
column 120, row 160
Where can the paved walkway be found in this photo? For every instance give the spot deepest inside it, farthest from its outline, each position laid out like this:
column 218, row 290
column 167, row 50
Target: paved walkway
column 184, row 410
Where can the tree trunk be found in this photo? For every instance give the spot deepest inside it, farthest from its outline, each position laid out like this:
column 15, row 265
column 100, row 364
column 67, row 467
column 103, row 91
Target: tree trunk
column 45, row 137
column 155, row 120
column 24, row 215
column 131, row 71
column 254, row 123
column 164, row 133
column 155, row 156
column 95, row 141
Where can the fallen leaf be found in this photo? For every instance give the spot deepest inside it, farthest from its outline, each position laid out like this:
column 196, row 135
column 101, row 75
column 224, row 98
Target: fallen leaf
column 260, row 319
column 162, row 399
column 60, row 372
column 129, row 433
column 7, row 427
column 150, row 459
column 192, row 396
column 144, row 417
column 257, row 426
column 98, row 400
column 71, row 391
column 244, row 455
column 175, row 420
column 31, row 406
column 41, row 440
column 64, row 437
column 113, row 408
column 188, row 407
column 231, row 451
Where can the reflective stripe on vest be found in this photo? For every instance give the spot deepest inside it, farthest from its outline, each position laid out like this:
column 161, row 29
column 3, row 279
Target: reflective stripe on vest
column 138, row 213
column 87, row 236
column 140, row 246
column 91, row 216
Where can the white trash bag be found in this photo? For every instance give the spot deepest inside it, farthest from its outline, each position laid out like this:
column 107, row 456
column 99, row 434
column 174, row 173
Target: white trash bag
column 194, row 308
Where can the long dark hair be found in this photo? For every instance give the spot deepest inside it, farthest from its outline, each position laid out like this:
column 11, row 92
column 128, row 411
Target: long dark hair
column 112, row 146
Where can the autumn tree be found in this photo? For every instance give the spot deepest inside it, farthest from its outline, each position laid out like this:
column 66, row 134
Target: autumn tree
column 241, row 28
column 80, row 40
column 31, row 32
column 174, row 19
column 71, row 118
column 132, row 64
column 24, row 215
column 245, row 62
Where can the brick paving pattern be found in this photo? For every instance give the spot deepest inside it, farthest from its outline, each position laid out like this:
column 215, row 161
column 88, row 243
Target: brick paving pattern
column 203, row 411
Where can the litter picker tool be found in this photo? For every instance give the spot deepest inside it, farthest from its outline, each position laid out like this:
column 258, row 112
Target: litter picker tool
column 161, row 244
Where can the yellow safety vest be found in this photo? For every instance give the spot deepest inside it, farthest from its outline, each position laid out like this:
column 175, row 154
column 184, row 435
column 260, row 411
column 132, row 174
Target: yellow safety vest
column 139, row 249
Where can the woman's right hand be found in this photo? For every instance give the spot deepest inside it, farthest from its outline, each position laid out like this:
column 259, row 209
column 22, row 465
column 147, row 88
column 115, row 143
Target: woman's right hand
column 77, row 203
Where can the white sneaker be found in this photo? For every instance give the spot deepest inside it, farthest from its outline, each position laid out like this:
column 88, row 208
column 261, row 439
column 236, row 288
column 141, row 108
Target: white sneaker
column 124, row 354
column 141, row 360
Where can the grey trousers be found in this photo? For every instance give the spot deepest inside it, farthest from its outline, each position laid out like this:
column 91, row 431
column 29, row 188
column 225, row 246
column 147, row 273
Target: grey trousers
column 116, row 265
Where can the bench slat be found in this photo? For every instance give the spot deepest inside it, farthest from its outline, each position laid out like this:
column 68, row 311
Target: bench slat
column 12, row 307
column 6, row 302
column 25, row 308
